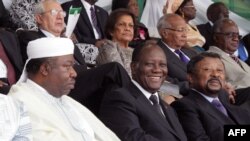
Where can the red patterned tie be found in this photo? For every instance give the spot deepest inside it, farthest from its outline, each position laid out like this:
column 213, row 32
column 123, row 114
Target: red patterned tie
column 11, row 71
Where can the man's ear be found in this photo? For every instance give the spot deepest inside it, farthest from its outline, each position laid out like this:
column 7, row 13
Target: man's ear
column 44, row 69
column 38, row 18
column 190, row 78
column 215, row 38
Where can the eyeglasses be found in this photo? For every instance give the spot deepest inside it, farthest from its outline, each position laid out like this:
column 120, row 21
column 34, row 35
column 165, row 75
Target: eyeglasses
column 55, row 12
column 230, row 34
column 178, row 30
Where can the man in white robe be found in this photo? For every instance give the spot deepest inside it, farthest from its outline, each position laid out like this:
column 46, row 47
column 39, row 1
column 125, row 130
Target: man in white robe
column 43, row 87
column 14, row 121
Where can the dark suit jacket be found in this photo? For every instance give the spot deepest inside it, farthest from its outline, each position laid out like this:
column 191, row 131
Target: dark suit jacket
column 206, row 31
column 132, row 117
column 202, row 121
column 12, row 49
column 176, row 68
column 83, row 30
column 4, row 16
column 25, row 36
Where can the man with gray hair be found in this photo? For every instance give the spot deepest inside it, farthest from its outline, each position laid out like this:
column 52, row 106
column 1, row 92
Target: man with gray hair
column 47, row 78
column 173, row 31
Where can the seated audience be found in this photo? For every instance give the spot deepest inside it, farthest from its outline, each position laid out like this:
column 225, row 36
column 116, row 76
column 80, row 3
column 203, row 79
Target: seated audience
column 11, row 63
column 206, row 109
column 135, row 112
column 173, row 31
column 141, row 32
column 188, row 12
column 119, row 31
column 226, row 39
column 15, row 123
column 47, row 78
column 49, row 17
column 91, row 23
column 215, row 11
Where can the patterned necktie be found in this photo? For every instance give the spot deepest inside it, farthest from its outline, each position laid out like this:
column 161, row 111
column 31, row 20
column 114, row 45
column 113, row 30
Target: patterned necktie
column 217, row 104
column 94, row 21
column 154, row 99
column 236, row 59
column 182, row 56
column 11, row 75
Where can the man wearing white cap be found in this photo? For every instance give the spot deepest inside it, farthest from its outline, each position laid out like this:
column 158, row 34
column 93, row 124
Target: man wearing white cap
column 43, row 87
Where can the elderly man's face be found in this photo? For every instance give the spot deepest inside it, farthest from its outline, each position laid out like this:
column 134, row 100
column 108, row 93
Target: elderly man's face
column 176, row 35
column 228, row 38
column 151, row 69
column 61, row 76
column 52, row 20
column 209, row 76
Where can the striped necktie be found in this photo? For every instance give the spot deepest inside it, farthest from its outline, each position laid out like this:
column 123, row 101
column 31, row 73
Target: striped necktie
column 94, row 21
column 182, row 56
column 237, row 60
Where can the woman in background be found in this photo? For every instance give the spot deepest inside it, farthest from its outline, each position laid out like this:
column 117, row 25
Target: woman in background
column 188, row 12
column 141, row 34
column 120, row 32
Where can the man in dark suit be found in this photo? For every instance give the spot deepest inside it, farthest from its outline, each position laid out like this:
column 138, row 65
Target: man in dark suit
column 135, row 112
column 10, row 55
column 172, row 29
column 215, row 11
column 87, row 30
column 206, row 109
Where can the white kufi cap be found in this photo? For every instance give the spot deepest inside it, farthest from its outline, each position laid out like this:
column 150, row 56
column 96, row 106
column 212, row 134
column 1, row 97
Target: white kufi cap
column 47, row 47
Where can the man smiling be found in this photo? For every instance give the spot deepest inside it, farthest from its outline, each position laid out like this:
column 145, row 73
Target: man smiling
column 206, row 109
column 135, row 112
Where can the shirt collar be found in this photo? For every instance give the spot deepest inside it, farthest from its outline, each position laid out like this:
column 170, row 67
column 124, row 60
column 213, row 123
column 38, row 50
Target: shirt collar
column 145, row 93
column 208, row 98
column 47, row 34
column 86, row 5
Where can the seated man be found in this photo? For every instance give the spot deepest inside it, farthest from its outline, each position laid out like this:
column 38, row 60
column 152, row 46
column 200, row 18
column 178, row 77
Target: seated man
column 206, row 109
column 43, row 87
column 51, row 24
column 226, row 39
column 172, row 29
column 15, row 123
column 135, row 112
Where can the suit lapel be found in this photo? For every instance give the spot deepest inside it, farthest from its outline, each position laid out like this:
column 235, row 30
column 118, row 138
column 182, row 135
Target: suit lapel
column 174, row 59
column 144, row 102
column 210, row 109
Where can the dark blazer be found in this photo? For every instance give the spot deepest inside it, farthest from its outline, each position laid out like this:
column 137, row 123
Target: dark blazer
column 177, row 70
column 132, row 117
column 25, row 36
column 202, row 121
column 206, row 31
column 84, row 31
column 12, row 49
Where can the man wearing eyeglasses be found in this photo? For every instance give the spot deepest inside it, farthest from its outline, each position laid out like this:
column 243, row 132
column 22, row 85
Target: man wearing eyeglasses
column 173, row 31
column 226, row 39
column 49, row 16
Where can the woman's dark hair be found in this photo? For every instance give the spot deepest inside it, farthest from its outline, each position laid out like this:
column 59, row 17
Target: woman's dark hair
column 116, row 4
column 114, row 17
